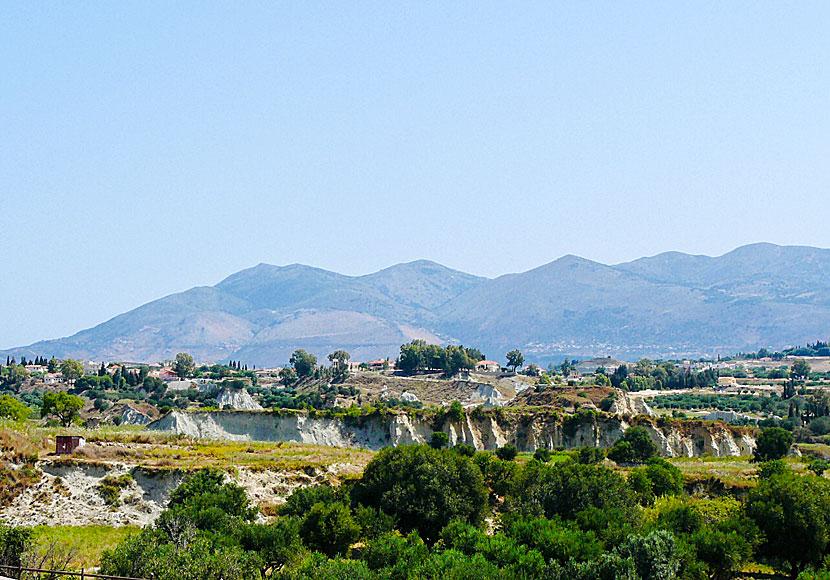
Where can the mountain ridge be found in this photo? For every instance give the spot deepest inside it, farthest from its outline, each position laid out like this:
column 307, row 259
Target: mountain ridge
column 670, row 305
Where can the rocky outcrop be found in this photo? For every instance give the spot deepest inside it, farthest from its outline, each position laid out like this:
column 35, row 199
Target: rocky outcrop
column 237, row 400
column 132, row 416
column 626, row 404
column 527, row 431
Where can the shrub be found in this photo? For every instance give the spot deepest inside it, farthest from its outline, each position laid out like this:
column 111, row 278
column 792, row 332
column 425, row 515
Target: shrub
column 506, row 453
column 542, row 455
column 464, row 449
column 818, row 466
column 300, row 501
column 423, row 488
column 820, row 425
column 773, row 443
column 329, row 528
column 110, row 488
column 589, row 455
column 635, row 446
column 793, row 514
column 439, row 440
column 564, row 489
column 455, row 413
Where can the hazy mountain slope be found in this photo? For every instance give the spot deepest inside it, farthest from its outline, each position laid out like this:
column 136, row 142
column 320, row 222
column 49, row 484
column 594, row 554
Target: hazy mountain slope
column 764, row 271
column 421, row 284
column 264, row 312
column 669, row 305
column 202, row 320
column 571, row 302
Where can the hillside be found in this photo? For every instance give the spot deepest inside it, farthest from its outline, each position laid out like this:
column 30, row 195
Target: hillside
column 670, row 305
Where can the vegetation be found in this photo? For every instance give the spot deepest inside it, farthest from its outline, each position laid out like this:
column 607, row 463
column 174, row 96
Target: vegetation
column 184, row 365
column 418, row 356
column 62, row 405
column 773, row 443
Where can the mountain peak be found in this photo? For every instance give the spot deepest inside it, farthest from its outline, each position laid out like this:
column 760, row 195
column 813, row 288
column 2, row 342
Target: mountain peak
column 667, row 306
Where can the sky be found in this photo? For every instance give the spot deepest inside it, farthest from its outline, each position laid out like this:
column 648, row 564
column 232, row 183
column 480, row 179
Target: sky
column 149, row 147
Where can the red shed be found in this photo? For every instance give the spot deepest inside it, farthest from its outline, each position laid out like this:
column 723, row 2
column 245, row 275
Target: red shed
column 68, row 443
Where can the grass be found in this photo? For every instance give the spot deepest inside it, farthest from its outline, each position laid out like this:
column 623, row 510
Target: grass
column 89, row 542
column 737, row 472
column 165, row 451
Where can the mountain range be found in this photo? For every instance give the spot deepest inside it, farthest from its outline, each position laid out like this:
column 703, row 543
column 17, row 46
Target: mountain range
column 672, row 305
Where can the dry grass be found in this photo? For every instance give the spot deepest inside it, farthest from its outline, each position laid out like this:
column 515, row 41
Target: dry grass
column 164, row 451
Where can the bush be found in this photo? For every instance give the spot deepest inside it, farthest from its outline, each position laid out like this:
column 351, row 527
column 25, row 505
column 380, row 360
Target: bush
column 818, row 466
column 455, row 413
column 589, row 455
column 329, row 528
column 506, row 453
column 423, row 488
column 439, row 440
column 300, row 501
column 14, row 542
column 820, row 425
column 635, row 446
column 793, row 514
column 773, row 443
column 554, row 539
column 110, row 488
column 542, row 455
column 464, row 449
column 564, row 489
column 769, row 469
column 208, row 502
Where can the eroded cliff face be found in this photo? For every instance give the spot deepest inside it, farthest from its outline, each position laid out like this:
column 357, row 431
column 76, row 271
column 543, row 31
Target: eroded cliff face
column 67, row 493
column 527, row 431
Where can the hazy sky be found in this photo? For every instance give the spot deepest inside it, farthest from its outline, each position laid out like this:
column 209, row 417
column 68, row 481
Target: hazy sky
column 149, row 148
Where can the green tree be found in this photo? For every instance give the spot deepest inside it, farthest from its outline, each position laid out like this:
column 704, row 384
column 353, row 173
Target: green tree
column 62, row 405
column 800, row 369
column 506, row 453
column 184, row 366
column 14, row 543
column 542, row 455
column 329, row 528
column 515, row 359
column 151, row 554
column 207, row 501
column 635, row 446
column 303, row 363
column 11, row 408
column 277, row 544
column 287, row 376
column 72, row 370
column 793, row 513
column 411, row 358
column 565, row 489
column 455, row 413
column 773, row 443
column 725, row 546
column 339, row 360
column 423, row 488
column 439, row 440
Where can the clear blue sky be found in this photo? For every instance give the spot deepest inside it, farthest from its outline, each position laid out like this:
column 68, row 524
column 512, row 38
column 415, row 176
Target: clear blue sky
column 152, row 147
